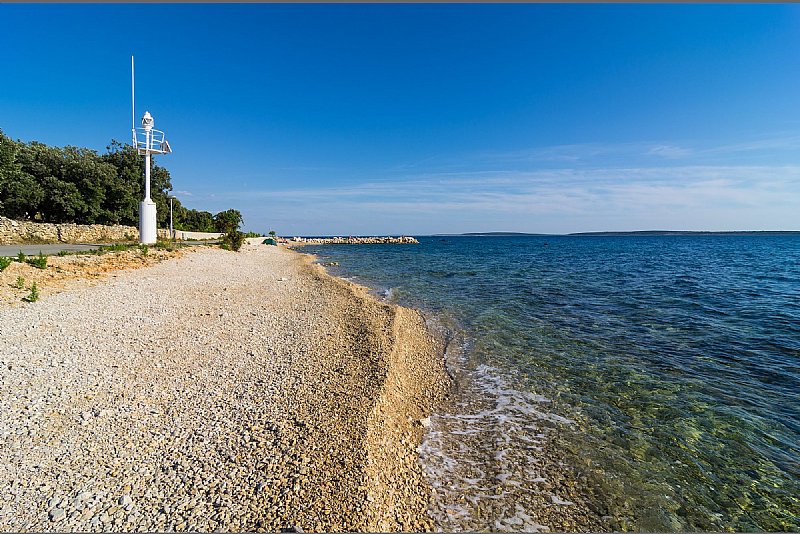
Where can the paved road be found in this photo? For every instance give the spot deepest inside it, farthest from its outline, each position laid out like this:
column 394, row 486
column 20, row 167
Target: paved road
column 47, row 250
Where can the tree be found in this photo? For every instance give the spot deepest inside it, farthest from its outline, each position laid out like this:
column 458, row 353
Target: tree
column 125, row 189
column 195, row 221
column 73, row 184
column 20, row 193
column 228, row 220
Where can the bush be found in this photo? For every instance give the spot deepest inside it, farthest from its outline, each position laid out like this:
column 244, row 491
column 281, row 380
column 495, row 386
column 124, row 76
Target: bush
column 144, row 249
column 20, row 282
column 33, row 296
column 4, row 262
column 21, row 257
column 40, row 261
column 233, row 240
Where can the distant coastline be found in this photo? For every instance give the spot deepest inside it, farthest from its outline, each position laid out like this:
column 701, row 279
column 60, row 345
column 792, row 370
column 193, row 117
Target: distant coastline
column 633, row 233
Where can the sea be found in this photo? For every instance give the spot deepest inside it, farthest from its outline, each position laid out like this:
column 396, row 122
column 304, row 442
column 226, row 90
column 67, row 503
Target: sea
column 606, row 382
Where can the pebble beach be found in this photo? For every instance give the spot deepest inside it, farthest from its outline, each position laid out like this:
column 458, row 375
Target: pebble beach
column 215, row 391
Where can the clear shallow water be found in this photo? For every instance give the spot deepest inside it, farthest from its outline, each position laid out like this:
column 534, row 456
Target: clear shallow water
column 662, row 372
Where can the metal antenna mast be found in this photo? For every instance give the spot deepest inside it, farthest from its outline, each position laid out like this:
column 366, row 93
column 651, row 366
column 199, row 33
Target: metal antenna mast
column 133, row 107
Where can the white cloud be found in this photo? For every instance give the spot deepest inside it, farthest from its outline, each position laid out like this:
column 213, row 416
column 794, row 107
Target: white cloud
column 687, row 197
column 669, row 151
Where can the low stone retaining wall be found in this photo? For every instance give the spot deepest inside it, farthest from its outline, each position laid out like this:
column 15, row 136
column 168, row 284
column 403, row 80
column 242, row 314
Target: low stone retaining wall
column 180, row 235
column 19, row 232
column 15, row 232
column 402, row 240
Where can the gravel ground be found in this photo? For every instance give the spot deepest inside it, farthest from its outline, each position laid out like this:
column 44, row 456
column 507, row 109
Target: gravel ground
column 63, row 272
column 217, row 391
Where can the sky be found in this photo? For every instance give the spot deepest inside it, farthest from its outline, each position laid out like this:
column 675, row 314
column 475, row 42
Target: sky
column 354, row 119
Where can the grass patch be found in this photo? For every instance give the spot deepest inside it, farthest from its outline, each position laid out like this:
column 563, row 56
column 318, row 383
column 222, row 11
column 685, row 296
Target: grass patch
column 40, row 261
column 4, row 262
column 163, row 244
column 20, row 283
column 116, row 246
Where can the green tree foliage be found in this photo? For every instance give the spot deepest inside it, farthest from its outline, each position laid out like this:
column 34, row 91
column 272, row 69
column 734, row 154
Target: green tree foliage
column 227, row 221
column 194, row 220
column 233, row 240
column 70, row 184
column 20, row 193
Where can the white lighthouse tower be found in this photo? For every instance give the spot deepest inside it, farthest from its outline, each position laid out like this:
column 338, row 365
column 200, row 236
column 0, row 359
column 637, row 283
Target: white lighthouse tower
column 148, row 141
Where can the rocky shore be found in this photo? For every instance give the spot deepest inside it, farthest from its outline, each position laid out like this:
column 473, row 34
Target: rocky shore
column 373, row 240
column 215, row 391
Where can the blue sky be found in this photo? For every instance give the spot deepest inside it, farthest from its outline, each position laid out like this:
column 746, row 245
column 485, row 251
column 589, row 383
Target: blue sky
column 417, row 119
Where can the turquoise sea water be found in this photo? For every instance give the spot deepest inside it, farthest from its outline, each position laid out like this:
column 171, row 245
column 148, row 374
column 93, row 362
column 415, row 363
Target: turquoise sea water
column 662, row 373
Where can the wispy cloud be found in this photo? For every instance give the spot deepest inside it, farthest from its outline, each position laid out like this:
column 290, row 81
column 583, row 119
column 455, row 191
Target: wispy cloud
column 641, row 197
column 669, row 151
column 635, row 153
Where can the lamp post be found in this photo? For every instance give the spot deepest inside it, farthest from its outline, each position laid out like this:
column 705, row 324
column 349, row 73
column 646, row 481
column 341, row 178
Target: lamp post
column 171, row 232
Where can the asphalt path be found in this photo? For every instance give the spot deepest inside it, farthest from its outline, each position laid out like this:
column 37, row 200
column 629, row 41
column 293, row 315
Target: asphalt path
column 50, row 250
column 47, row 250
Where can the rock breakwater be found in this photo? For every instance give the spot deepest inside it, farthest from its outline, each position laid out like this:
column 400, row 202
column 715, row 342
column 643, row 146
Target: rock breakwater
column 373, row 240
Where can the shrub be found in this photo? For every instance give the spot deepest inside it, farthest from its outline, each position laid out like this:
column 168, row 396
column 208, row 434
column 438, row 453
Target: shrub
column 233, row 240
column 33, row 296
column 4, row 262
column 40, row 261
column 20, row 282
column 63, row 253
column 21, row 257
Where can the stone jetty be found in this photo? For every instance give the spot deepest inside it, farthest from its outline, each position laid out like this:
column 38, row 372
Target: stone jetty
column 370, row 240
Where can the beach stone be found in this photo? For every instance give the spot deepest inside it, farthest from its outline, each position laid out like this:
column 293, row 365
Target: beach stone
column 57, row 514
column 298, row 399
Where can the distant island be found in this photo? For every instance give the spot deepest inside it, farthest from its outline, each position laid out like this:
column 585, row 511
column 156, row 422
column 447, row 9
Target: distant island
column 489, row 234
column 633, row 233
column 688, row 232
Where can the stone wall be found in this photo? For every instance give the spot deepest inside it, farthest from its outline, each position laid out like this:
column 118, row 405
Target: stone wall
column 20, row 232
column 16, row 232
column 182, row 235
